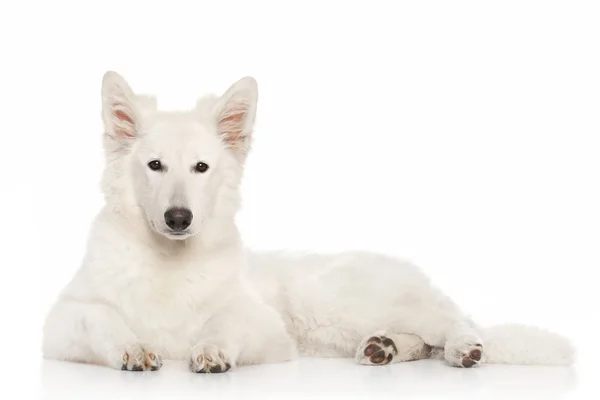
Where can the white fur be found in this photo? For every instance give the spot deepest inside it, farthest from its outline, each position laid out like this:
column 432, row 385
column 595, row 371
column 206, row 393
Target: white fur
column 145, row 292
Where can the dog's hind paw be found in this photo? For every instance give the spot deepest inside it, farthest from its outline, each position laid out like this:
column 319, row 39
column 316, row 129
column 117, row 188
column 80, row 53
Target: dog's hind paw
column 376, row 350
column 383, row 348
column 464, row 353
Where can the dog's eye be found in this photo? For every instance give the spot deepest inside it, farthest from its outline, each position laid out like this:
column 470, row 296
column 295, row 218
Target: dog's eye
column 155, row 165
column 201, row 167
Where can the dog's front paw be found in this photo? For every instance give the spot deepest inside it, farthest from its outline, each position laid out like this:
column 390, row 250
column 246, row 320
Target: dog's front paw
column 208, row 359
column 464, row 352
column 138, row 358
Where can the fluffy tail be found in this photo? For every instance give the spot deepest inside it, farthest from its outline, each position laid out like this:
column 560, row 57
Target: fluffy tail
column 521, row 344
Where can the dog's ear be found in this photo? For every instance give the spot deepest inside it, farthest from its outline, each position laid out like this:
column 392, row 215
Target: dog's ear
column 235, row 112
column 119, row 113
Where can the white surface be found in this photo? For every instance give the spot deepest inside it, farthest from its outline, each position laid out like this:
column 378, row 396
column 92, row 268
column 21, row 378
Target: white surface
column 313, row 378
column 465, row 134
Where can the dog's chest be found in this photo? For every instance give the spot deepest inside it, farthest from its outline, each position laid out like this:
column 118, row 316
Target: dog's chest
column 167, row 309
column 165, row 299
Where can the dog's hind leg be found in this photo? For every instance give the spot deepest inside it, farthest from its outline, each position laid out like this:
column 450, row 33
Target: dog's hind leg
column 440, row 327
column 382, row 348
column 456, row 334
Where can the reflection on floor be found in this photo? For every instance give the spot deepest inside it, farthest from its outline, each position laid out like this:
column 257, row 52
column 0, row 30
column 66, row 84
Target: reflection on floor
column 310, row 378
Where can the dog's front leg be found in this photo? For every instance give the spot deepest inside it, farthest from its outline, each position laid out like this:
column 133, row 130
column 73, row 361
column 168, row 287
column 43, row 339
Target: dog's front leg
column 95, row 333
column 244, row 332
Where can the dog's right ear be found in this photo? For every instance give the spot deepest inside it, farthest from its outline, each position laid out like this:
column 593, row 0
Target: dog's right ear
column 119, row 113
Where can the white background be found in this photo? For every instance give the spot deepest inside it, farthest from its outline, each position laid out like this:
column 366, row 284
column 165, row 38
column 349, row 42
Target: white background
column 462, row 135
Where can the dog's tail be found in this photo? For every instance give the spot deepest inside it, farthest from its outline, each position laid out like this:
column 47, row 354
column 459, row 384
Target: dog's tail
column 528, row 345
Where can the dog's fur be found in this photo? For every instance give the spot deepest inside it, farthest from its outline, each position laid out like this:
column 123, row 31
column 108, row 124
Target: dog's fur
column 147, row 292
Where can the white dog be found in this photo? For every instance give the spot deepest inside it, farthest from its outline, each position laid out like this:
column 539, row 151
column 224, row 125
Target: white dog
column 166, row 274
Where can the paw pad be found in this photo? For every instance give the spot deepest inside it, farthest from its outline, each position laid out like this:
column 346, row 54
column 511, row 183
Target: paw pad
column 472, row 358
column 379, row 350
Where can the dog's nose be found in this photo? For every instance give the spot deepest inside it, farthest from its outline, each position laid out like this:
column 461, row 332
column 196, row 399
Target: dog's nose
column 178, row 219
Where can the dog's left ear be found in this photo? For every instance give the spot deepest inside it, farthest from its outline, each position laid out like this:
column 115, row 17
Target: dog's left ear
column 235, row 112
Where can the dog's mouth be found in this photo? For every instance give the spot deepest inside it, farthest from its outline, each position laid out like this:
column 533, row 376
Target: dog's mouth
column 177, row 235
column 171, row 234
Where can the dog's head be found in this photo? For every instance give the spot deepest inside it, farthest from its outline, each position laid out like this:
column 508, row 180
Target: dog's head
column 178, row 169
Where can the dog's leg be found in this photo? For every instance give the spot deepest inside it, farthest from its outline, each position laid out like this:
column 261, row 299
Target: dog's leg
column 446, row 327
column 443, row 327
column 244, row 332
column 383, row 348
column 95, row 333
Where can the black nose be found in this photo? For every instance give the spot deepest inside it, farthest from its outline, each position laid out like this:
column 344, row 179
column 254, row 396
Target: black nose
column 178, row 219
